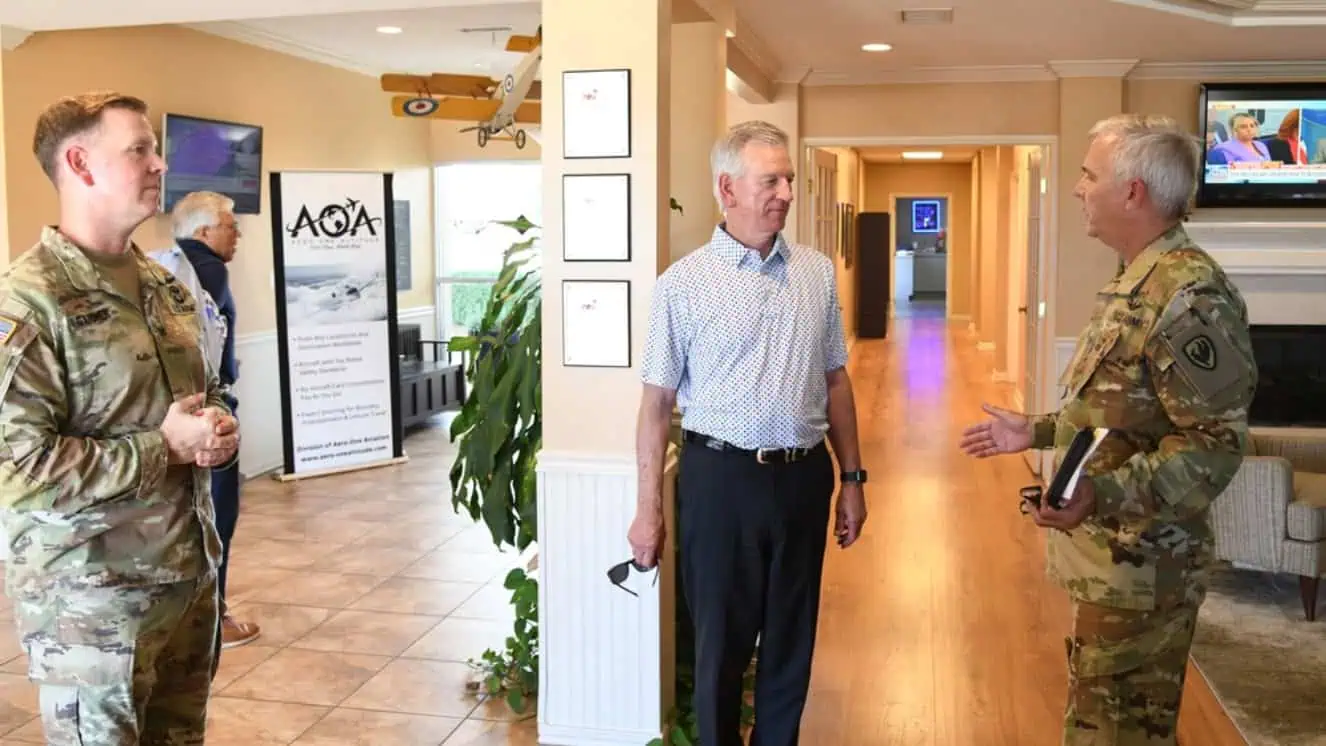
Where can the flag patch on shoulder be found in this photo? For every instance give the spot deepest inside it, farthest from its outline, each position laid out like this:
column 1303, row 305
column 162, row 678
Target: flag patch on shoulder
column 7, row 327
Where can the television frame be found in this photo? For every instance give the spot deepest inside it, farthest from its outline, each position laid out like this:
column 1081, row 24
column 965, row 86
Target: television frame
column 1307, row 195
column 165, row 179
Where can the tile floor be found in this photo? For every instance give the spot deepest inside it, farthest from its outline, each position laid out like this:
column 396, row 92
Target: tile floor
column 372, row 594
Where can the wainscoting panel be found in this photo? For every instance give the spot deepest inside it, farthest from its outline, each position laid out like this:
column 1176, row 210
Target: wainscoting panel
column 259, row 393
column 606, row 668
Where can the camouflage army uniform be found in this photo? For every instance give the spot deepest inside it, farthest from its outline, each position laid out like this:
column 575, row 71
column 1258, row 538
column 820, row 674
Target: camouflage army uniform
column 113, row 554
column 1166, row 362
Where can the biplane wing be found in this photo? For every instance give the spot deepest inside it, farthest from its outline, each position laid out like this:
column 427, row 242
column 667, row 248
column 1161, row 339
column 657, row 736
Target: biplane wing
column 442, row 84
column 461, row 109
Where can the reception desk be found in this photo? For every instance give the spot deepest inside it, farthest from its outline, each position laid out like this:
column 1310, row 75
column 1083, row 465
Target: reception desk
column 923, row 275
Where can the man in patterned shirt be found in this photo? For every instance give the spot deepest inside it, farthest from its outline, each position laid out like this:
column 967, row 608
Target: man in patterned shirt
column 746, row 338
column 1165, row 364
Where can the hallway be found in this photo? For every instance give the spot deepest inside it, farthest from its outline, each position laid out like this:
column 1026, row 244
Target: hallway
column 938, row 627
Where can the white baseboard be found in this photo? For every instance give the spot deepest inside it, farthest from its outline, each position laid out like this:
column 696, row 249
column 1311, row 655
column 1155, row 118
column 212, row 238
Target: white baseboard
column 261, row 447
column 606, row 657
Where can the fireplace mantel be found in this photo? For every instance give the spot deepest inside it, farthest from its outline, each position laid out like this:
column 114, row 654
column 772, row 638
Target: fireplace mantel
column 1264, row 247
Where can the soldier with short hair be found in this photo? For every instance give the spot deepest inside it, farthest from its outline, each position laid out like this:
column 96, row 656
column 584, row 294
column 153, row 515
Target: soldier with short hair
column 110, row 424
column 1166, row 364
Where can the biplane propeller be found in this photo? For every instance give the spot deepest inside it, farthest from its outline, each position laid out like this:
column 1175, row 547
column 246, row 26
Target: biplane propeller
column 496, row 107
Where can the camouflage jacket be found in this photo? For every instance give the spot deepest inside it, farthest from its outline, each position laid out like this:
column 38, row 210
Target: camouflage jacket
column 86, row 496
column 1166, row 363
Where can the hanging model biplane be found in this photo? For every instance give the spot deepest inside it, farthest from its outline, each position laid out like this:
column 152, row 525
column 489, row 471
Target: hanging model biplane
column 494, row 107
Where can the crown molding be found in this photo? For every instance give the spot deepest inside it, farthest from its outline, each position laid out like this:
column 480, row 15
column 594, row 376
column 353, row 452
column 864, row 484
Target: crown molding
column 246, row 34
column 1242, row 13
column 1092, row 68
column 971, row 74
column 1289, row 69
column 12, row 38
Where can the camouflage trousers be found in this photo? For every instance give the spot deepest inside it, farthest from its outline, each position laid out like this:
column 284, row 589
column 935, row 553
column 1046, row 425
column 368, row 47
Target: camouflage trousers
column 122, row 666
column 1126, row 671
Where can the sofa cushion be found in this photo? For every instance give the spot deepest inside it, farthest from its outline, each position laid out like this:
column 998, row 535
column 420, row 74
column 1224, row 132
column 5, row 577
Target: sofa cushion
column 1307, row 512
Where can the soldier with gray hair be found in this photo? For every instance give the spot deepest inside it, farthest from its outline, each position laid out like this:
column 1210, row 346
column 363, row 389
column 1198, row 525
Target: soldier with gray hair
column 1166, row 365
column 110, row 424
column 746, row 338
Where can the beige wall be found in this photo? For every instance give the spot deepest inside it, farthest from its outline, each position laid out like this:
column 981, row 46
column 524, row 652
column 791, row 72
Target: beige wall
column 313, row 117
column 930, row 110
column 849, row 190
column 953, row 179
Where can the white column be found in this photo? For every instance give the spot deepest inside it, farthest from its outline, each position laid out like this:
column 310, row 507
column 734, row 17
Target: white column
column 605, row 668
column 699, row 117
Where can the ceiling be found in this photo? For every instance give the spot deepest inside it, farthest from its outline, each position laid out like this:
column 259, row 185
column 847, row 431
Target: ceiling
column 891, row 154
column 813, row 43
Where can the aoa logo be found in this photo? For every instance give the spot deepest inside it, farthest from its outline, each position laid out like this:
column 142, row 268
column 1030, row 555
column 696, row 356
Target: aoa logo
column 334, row 221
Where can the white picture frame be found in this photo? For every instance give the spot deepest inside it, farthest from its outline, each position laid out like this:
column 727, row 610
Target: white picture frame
column 596, row 323
column 596, row 217
column 596, row 114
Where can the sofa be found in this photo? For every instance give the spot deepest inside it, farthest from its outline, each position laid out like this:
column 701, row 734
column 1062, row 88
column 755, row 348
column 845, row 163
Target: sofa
column 1272, row 517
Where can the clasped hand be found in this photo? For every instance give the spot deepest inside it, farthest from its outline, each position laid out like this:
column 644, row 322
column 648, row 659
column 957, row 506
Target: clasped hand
column 203, row 436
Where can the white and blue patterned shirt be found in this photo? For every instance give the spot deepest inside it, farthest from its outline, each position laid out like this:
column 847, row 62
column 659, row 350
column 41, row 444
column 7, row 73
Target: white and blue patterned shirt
column 746, row 343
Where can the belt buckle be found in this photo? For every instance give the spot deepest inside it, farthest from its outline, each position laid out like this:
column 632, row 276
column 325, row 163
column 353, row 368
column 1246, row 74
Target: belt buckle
column 760, row 455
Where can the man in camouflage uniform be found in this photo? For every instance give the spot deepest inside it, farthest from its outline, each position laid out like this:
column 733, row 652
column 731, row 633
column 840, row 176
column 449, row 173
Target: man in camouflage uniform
column 1166, row 364
column 110, row 425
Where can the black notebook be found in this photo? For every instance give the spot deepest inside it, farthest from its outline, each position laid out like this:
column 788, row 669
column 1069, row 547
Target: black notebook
column 1079, row 452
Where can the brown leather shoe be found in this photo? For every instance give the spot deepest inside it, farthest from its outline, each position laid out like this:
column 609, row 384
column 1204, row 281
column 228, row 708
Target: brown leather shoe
column 234, row 634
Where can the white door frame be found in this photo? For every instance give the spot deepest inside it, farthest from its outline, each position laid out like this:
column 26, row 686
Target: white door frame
column 1045, row 399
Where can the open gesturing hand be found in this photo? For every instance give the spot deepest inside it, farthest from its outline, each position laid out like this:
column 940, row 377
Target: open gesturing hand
column 1005, row 432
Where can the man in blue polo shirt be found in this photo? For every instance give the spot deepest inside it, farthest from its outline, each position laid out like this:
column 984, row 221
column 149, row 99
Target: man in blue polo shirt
column 746, row 338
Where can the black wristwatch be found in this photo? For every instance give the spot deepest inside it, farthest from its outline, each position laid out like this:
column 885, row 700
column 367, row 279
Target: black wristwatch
column 858, row 476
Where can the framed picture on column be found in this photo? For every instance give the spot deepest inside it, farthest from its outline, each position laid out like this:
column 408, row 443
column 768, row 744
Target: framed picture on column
column 596, row 113
column 596, row 323
column 596, row 217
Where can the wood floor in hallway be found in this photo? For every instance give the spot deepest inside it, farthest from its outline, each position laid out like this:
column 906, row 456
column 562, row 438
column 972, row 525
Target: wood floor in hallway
column 939, row 628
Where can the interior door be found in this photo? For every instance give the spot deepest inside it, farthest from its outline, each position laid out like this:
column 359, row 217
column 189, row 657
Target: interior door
column 823, row 189
column 1031, row 304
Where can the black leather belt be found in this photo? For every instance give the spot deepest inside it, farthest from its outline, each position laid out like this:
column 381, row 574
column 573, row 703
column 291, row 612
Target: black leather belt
column 762, row 455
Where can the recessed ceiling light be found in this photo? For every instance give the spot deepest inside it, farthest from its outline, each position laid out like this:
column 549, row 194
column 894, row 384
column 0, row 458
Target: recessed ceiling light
column 389, row 29
column 922, row 155
column 876, row 47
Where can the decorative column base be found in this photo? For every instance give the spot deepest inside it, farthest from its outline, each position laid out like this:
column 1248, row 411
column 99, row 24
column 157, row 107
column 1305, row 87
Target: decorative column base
column 606, row 668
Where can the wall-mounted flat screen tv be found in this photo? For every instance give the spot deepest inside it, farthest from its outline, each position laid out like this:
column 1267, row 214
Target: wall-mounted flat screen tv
column 1265, row 145
column 211, row 155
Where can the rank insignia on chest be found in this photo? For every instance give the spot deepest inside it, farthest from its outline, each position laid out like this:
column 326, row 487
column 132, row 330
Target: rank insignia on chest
column 179, row 302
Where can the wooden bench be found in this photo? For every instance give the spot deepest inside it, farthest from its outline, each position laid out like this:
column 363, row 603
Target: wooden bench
column 428, row 385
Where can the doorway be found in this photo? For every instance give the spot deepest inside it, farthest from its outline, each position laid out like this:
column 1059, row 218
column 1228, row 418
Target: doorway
column 990, row 204
column 920, row 253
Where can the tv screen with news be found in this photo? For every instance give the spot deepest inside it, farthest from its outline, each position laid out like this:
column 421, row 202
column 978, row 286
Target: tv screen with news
column 1265, row 145
column 211, row 155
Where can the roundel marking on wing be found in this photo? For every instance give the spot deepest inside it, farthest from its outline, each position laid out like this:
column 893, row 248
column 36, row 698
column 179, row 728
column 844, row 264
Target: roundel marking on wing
column 420, row 107
column 508, row 83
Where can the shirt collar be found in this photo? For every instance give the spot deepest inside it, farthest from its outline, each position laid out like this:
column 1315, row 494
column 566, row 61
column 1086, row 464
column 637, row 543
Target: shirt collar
column 82, row 272
column 1133, row 274
column 723, row 245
